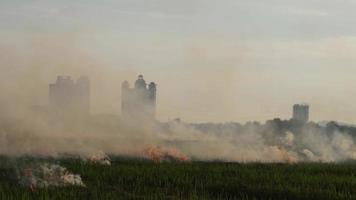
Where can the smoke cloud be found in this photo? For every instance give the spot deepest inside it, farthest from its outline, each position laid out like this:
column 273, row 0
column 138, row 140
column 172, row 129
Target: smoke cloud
column 26, row 127
column 274, row 141
column 47, row 175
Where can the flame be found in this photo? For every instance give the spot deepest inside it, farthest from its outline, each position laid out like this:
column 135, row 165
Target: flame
column 159, row 154
column 282, row 155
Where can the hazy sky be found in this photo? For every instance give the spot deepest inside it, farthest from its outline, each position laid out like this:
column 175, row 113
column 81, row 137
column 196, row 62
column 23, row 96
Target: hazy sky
column 213, row 60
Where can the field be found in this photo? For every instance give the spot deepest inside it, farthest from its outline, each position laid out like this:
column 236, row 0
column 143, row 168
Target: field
column 140, row 179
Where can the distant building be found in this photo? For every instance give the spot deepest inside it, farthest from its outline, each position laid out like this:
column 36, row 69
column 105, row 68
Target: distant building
column 139, row 102
column 301, row 112
column 69, row 97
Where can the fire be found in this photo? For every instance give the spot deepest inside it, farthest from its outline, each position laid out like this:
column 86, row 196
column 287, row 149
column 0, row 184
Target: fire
column 282, row 155
column 159, row 154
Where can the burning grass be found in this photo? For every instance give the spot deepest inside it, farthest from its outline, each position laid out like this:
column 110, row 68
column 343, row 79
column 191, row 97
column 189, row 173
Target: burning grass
column 160, row 154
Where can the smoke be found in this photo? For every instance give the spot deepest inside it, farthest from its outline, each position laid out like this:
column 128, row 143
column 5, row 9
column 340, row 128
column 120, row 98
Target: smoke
column 27, row 128
column 275, row 141
column 94, row 137
column 48, row 175
column 99, row 158
column 310, row 155
column 30, row 60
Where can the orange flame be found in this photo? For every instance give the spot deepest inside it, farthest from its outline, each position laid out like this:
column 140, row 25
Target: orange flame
column 285, row 156
column 158, row 154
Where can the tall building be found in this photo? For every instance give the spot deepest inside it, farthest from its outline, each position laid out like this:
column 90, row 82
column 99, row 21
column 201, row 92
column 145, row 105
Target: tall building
column 139, row 102
column 69, row 97
column 301, row 112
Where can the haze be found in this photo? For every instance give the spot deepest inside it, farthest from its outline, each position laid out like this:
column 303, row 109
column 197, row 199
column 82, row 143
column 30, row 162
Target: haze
column 227, row 60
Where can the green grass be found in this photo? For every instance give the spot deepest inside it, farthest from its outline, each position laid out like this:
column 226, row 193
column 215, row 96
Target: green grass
column 138, row 179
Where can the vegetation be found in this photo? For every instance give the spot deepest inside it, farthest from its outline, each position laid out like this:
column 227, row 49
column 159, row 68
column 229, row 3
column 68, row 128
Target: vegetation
column 139, row 179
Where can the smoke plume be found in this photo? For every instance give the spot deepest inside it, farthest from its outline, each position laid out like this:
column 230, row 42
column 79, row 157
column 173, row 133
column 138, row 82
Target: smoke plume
column 28, row 128
column 49, row 175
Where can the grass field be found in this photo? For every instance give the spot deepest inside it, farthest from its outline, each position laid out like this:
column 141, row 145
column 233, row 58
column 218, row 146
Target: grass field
column 139, row 179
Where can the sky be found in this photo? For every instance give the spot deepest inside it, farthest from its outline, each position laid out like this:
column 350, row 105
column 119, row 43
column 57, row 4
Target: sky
column 213, row 61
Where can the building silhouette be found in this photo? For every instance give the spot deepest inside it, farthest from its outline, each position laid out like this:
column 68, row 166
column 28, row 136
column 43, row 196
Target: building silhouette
column 139, row 102
column 301, row 113
column 67, row 96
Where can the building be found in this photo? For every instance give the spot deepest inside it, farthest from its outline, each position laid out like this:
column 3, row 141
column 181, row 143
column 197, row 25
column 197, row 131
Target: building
column 301, row 112
column 67, row 96
column 139, row 102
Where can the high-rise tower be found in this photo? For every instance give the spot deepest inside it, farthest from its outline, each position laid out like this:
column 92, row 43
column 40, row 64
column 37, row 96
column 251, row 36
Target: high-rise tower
column 301, row 113
column 69, row 97
column 138, row 103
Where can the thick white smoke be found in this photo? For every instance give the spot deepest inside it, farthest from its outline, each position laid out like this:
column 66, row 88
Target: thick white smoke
column 47, row 175
column 98, row 158
column 94, row 137
column 27, row 130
